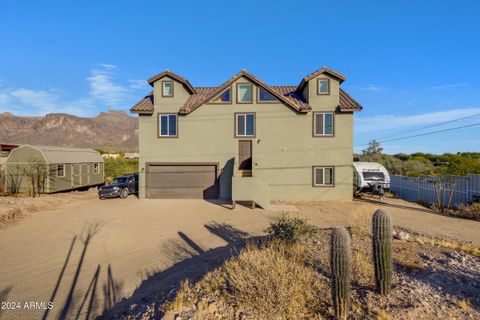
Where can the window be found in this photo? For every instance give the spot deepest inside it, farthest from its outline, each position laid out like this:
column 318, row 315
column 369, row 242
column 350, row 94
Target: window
column 373, row 176
column 323, row 124
column 323, row 176
column 245, row 124
column 323, row 86
column 167, row 89
column 60, row 170
column 223, row 98
column 265, row 96
column 96, row 168
column 244, row 93
column 167, row 125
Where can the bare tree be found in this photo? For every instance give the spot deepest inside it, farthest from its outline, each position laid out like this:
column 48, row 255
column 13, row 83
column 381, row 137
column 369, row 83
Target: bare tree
column 36, row 173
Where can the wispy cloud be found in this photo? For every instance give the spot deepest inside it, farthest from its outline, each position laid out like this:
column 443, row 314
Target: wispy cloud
column 138, row 84
column 45, row 101
column 387, row 123
column 371, row 88
column 449, row 86
column 104, row 91
column 103, row 88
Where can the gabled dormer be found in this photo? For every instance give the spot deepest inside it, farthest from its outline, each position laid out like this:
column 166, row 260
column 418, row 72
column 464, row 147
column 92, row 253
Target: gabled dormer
column 321, row 89
column 170, row 90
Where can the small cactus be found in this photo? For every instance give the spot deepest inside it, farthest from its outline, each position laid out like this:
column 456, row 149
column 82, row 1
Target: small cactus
column 340, row 265
column 382, row 251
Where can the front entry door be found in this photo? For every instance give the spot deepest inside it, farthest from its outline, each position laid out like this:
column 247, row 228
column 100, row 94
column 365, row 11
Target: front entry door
column 245, row 155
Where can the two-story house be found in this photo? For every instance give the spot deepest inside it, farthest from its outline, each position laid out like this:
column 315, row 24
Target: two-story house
column 246, row 140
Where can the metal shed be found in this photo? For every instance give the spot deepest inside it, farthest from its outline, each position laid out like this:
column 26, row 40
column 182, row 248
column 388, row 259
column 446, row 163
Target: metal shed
column 53, row 169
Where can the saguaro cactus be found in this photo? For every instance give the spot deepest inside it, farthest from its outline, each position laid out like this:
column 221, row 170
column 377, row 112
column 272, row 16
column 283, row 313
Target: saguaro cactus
column 340, row 264
column 382, row 250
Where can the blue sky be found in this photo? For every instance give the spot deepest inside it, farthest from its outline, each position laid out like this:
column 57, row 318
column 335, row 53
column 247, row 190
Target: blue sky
column 411, row 64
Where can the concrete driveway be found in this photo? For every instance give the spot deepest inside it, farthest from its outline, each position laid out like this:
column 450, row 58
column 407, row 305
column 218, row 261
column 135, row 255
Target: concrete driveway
column 109, row 245
column 89, row 255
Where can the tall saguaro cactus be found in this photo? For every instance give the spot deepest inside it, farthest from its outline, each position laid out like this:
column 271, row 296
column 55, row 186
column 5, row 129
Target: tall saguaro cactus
column 382, row 250
column 340, row 265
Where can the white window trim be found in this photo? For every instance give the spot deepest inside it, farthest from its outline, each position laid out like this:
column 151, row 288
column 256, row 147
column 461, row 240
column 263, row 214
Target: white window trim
column 315, row 134
column 96, row 165
column 244, row 124
column 160, row 115
column 315, row 184
column 61, row 176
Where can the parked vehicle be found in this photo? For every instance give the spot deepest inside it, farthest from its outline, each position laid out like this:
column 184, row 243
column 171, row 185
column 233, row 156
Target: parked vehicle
column 370, row 176
column 120, row 187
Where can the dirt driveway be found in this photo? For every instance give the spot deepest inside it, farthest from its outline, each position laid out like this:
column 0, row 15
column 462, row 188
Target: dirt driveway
column 88, row 255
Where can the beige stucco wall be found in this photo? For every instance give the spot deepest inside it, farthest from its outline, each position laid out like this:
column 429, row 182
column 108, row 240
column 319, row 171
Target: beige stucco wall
column 284, row 150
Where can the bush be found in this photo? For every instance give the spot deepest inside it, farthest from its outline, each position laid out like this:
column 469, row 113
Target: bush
column 471, row 211
column 274, row 282
column 118, row 167
column 290, row 229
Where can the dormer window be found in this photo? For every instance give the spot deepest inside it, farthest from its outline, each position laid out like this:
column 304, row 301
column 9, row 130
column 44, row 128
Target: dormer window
column 323, row 86
column 265, row 96
column 167, row 89
column 223, row 98
column 244, row 93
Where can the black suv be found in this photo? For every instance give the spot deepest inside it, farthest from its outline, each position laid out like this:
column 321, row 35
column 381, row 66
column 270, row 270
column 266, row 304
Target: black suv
column 120, row 187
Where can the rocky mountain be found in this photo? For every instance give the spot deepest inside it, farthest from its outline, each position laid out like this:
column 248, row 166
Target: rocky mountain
column 114, row 128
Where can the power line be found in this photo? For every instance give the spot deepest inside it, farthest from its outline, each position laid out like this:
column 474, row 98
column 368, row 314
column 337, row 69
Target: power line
column 433, row 125
column 427, row 133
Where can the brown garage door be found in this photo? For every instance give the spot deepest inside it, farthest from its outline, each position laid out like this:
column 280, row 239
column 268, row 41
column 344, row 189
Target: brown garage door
column 186, row 181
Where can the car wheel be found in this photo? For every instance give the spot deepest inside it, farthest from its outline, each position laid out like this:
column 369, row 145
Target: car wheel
column 124, row 193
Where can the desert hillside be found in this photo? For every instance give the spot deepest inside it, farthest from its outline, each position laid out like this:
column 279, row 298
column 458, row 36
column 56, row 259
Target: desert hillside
column 114, row 128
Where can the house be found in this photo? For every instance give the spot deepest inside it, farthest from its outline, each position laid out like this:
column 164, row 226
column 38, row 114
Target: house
column 111, row 155
column 52, row 169
column 246, row 140
column 131, row 155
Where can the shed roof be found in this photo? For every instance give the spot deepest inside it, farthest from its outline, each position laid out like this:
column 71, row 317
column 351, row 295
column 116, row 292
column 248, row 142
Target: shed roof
column 67, row 155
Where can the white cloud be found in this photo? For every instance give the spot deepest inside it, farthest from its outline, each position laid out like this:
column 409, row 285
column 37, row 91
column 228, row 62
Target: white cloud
column 104, row 92
column 45, row 101
column 387, row 123
column 449, row 86
column 103, row 88
column 371, row 88
column 138, row 84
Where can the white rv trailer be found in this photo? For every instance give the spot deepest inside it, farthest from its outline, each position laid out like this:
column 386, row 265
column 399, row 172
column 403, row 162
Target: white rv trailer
column 366, row 174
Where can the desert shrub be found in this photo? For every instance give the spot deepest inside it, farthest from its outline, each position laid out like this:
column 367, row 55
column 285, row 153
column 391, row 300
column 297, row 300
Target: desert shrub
column 273, row 282
column 119, row 166
column 471, row 211
column 290, row 229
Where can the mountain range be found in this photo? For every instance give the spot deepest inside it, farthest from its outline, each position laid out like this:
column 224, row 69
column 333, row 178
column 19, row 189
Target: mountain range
column 112, row 129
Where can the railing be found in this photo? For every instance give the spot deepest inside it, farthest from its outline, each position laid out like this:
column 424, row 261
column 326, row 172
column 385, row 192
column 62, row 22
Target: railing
column 466, row 189
column 251, row 189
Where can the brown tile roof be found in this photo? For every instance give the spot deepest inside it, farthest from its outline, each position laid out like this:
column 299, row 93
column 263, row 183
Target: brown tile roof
column 320, row 71
column 195, row 102
column 144, row 106
column 290, row 95
column 347, row 103
column 172, row 75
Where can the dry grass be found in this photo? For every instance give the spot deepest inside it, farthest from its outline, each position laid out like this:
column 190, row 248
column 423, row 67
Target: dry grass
column 447, row 244
column 273, row 281
column 464, row 305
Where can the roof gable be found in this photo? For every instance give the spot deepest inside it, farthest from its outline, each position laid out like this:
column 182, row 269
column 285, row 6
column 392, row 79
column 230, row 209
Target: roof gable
column 320, row 71
column 289, row 95
column 195, row 102
column 173, row 75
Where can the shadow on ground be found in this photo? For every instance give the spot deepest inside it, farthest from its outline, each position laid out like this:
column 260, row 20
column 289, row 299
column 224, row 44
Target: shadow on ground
column 191, row 262
column 78, row 303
